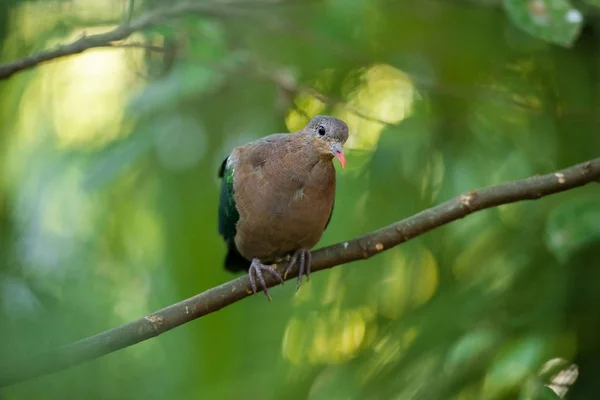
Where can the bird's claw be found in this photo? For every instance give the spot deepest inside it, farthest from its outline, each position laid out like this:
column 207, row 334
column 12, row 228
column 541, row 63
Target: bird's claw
column 256, row 269
column 303, row 258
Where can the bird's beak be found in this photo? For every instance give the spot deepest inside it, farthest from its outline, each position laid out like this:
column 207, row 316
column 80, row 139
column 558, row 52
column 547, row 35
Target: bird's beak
column 338, row 152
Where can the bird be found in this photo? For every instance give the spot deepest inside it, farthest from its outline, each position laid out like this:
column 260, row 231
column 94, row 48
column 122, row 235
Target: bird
column 277, row 198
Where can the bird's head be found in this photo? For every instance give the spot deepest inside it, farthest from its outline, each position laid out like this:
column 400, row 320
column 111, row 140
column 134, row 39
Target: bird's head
column 330, row 135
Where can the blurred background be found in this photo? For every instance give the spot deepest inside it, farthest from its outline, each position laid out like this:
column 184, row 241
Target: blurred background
column 109, row 191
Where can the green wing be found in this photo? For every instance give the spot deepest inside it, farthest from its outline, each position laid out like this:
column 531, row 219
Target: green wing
column 228, row 213
column 228, row 218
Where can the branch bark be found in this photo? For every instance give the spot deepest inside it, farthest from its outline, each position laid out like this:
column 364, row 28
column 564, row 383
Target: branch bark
column 222, row 9
column 357, row 249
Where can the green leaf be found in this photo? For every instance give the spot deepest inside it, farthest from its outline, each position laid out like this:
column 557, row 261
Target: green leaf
column 473, row 347
column 555, row 21
column 513, row 366
column 572, row 226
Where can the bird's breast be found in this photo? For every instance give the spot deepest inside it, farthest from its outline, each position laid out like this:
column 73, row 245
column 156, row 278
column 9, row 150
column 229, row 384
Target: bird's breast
column 284, row 207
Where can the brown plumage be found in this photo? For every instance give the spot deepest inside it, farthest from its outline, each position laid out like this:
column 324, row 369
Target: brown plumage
column 283, row 188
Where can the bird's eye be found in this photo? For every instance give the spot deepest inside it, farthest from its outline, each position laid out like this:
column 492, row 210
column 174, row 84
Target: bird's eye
column 321, row 130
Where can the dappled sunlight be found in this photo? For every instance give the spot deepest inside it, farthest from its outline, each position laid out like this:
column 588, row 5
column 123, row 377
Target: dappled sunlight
column 387, row 349
column 335, row 288
column 84, row 97
column 331, row 337
column 338, row 335
column 99, row 9
column 309, row 105
column 385, row 93
column 109, row 198
column 88, row 94
column 294, row 343
column 410, row 281
column 68, row 232
column 30, row 20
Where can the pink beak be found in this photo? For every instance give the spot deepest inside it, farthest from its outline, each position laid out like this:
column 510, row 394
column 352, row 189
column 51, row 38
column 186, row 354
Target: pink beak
column 338, row 152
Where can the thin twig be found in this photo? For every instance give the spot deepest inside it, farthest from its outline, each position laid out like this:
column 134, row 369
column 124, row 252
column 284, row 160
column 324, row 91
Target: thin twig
column 222, row 9
column 241, row 9
column 136, row 45
column 357, row 249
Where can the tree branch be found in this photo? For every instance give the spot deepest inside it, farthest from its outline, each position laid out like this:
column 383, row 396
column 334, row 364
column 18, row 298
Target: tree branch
column 358, row 249
column 224, row 8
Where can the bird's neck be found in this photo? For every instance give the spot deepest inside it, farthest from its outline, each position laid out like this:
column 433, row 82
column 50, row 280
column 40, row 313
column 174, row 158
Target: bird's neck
column 314, row 150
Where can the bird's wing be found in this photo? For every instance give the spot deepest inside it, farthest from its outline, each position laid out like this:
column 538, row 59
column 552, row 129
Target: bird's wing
column 228, row 211
column 228, row 218
column 330, row 215
column 232, row 169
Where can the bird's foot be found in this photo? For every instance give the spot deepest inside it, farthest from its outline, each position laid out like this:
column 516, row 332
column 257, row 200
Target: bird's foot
column 303, row 258
column 256, row 273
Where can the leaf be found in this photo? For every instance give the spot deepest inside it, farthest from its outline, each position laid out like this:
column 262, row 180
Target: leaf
column 555, row 21
column 473, row 348
column 513, row 366
column 572, row 226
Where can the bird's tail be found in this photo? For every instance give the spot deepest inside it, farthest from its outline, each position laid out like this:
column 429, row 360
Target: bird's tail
column 234, row 262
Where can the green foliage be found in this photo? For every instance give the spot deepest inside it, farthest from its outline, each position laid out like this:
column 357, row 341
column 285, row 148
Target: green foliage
column 513, row 365
column 555, row 21
column 572, row 226
column 535, row 390
column 473, row 348
column 109, row 196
